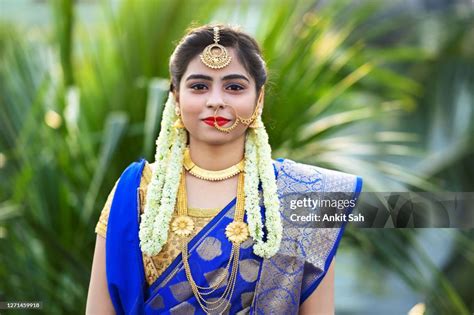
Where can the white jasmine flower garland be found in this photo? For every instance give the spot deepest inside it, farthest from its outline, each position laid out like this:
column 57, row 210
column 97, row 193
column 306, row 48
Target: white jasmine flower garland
column 251, row 180
column 150, row 244
column 270, row 196
column 170, row 190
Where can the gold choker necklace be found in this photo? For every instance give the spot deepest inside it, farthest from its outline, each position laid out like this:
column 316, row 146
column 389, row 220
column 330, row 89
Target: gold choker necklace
column 211, row 175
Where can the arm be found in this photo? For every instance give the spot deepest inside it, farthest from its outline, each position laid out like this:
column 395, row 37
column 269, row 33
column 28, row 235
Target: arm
column 321, row 301
column 98, row 298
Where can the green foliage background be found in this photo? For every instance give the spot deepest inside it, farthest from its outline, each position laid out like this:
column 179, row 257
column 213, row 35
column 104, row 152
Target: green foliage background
column 370, row 88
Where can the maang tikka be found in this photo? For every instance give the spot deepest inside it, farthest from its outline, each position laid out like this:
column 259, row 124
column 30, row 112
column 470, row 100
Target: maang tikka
column 215, row 55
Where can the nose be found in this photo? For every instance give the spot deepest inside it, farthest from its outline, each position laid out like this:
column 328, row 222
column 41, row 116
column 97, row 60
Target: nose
column 215, row 100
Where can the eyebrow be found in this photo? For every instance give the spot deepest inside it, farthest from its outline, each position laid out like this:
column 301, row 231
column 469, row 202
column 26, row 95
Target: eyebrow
column 208, row 78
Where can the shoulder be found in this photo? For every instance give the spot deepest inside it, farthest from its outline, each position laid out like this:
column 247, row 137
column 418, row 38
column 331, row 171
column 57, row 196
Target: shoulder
column 144, row 182
column 136, row 174
column 318, row 178
column 135, row 168
column 147, row 172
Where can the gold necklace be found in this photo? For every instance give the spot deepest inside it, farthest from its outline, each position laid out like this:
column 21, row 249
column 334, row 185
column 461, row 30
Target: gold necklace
column 211, row 175
column 236, row 232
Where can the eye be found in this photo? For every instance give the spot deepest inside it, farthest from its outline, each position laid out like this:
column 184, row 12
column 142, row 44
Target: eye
column 198, row 86
column 234, row 87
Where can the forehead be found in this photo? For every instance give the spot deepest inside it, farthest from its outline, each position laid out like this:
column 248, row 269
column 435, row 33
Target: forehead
column 196, row 66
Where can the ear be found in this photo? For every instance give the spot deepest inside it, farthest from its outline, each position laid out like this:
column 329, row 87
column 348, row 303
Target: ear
column 175, row 95
column 261, row 97
column 176, row 98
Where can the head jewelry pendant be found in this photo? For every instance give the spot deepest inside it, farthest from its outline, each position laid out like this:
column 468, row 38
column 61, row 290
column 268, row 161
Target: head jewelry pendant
column 215, row 55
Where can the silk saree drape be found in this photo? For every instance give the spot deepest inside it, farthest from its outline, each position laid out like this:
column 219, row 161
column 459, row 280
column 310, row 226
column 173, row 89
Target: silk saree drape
column 264, row 286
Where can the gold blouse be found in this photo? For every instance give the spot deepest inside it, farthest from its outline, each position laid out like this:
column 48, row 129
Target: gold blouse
column 154, row 266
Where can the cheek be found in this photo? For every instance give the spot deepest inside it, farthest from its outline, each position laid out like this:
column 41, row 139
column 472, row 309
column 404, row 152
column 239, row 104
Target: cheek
column 248, row 106
column 190, row 103
column 190, row 113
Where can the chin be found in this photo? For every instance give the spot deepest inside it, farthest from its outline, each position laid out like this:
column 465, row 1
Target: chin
column 217, row 138
column 216, row 141
column 212, row 136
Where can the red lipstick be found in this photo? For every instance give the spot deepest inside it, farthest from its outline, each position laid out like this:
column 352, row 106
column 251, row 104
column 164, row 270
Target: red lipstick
column 221, row 121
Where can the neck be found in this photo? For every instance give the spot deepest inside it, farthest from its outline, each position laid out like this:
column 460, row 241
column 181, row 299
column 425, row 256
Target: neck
column 215, row 157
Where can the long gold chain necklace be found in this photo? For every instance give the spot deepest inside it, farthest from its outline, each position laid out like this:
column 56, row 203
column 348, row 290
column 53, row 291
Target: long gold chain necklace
column 211, row 175
column 236, row 232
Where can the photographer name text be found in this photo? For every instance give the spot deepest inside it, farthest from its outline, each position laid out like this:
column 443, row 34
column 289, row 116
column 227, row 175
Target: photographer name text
column 312, row 217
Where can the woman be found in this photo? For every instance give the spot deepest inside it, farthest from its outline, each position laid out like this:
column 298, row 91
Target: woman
column 200, row 230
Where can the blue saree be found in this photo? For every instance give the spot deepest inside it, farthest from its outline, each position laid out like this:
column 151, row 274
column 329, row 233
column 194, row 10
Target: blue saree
column 264, row 286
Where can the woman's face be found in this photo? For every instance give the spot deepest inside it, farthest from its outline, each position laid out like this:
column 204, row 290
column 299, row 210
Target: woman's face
column 203, row 89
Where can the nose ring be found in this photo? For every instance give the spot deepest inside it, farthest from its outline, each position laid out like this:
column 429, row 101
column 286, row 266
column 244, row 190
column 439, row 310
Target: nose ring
column 226, row 129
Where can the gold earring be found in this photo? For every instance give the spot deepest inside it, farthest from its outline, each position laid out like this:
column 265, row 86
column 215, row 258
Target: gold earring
column 178, row 124
column 256, row 123
column 257, row 119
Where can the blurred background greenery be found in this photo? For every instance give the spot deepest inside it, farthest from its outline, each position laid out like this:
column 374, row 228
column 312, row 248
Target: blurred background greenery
column 382, row 89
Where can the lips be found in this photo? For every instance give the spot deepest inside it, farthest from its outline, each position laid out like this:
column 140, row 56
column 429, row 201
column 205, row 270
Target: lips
column 221, row 121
